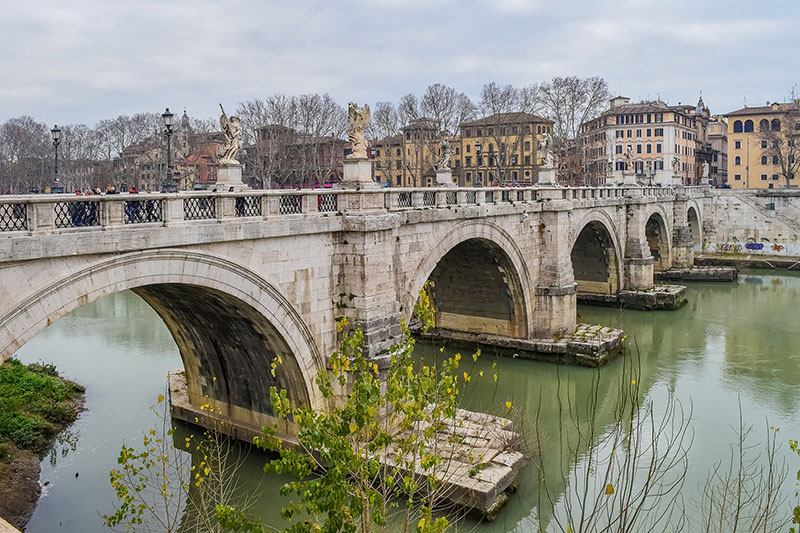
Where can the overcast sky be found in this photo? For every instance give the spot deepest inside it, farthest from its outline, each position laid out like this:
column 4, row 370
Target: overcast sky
column 79, row 61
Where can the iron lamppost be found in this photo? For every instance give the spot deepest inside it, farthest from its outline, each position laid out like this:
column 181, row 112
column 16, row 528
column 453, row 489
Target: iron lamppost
column 57, row 187
column 169, row 184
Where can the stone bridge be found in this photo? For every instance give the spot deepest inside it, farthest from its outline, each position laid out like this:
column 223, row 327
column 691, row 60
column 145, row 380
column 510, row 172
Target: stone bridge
column 240, row 278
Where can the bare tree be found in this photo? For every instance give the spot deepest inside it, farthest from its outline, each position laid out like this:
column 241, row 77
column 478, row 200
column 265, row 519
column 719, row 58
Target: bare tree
column 745, row 494
column 384, row 130
column 569, row 102
column 505, row 108
column 438, row 114
column 782, row 138
column 319, row 150
column 622, row 472
column 26, row 149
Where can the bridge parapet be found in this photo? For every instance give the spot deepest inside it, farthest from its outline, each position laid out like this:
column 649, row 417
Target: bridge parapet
column 54, row 212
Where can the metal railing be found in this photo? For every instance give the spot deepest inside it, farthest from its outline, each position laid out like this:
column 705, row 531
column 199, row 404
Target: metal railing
column 142, row 211
column 247, row 206
column 13, row 217
column 327, row 203
column 291, row 204
column 76, row 214
column 202, row 208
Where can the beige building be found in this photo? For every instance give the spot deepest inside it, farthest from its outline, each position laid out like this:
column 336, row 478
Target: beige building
column 718, row 138
column 500, row 149
column 662, row 139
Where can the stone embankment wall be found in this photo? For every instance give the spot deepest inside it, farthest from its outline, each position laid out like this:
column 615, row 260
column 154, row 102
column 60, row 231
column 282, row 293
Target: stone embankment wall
column 752, row 222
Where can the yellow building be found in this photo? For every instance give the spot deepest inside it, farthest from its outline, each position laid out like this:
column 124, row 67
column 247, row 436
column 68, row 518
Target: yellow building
column 407, row 159
column 751, row 165
column 500, row 149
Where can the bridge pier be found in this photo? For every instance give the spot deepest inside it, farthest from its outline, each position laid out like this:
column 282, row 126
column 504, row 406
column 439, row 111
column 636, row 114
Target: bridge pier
column 638, row 259
column 682, row 242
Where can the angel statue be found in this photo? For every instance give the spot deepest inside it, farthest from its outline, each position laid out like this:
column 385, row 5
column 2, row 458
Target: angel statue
column 232, row 128
column 444, row 155
column 356, row 120
column 548, row 160
column 629, row 158
column 676, row 165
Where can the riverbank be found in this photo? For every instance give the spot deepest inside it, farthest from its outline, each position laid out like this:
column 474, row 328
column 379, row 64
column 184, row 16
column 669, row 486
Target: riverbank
column 35, row 406
column 742, row 261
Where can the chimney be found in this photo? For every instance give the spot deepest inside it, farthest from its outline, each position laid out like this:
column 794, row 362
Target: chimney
column 619, row 100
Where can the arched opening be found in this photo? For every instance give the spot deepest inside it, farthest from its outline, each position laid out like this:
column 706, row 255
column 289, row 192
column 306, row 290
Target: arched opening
column 595, row 265
column 476, row 288
column 763, row 125
column 748, row 126
column 227, row 348
column 229, row 325
column 738, row 127
column 776, row 124
column 694, row 225
column 658, row 241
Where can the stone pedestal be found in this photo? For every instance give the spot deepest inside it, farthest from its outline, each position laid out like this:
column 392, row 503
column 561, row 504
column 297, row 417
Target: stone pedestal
column 677, row 181
column 547, row 176
column 639, row 273
column 357, row 174
column 229, row 176
column 444, row 178
column 628, row 178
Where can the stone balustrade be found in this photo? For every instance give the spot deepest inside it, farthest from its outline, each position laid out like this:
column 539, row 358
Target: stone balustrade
column 33, row 213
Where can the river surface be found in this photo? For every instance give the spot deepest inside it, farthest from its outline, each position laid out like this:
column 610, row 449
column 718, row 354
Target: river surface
column 733, row 343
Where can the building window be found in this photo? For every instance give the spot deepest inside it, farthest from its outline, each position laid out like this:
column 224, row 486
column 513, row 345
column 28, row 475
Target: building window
column 468, row 133
column 648, row 131
column 763, row 160
column 527, row 160
column 658, row 148
column 763, row 177
column 649, row 148
column 619, row 148
column 638, row 133
column 469, row 176
column 775, row 160
column 630, row 133
column 763, row 125
column 397, row 165
column 659, row 117
column 514, row 160
column 514, row 130
column 737, row 177
column 468, row 160
column 480, row 133
column 738, row 127
column 737, row 145
column 659, row 132
column 775, row 177
column 527, row 146
column 457, row 150
column 748, row 126
column 737, row 160
column 620, row 165
column 659, row 164
column 468, row 147
column 776, row 124
column 377, row 153
column 397, row 180
column 638, row 148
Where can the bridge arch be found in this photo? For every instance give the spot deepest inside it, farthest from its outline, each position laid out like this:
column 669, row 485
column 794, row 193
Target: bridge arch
column 659, row 240
column 229, row 325
column 596, row 255
column 695, row 226
column 480, row 281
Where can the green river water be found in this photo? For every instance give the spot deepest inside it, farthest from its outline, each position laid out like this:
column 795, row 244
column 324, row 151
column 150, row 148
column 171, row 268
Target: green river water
column 732, row 343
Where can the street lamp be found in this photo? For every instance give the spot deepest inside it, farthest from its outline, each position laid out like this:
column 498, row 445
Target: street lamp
column 57, row 187
column 169, row 184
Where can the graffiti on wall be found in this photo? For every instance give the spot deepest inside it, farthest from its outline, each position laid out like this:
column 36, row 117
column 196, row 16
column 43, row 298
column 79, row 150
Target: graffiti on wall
column 751, row 245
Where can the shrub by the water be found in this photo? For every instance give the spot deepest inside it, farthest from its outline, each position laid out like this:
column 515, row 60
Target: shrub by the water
column 34, row 404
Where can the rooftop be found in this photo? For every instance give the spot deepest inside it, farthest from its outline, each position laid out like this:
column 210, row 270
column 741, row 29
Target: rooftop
column 507, row 118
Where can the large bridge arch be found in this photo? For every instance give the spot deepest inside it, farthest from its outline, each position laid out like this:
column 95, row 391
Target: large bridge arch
column 480, row 274
column 229, row 325
column 596, row 255
column 659, row 239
